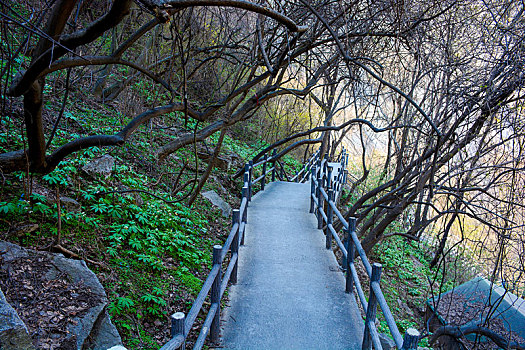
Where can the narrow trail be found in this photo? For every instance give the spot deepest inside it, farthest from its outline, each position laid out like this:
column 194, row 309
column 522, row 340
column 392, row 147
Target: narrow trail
column 290, row 292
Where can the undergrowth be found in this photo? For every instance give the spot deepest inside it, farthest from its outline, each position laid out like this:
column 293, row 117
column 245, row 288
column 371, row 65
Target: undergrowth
column 407, row 281
column 151, row 252
column 149, row 249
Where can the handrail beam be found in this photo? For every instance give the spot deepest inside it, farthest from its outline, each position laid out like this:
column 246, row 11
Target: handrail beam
column 199, row 343
column 229, row 240
column 323, row 188
column 337, row 239
column 241, row 231
column 339, row 215
column 325, row 195
column 398, row 339
column 362, row 253
column 358, row 287
column 258, row 179
column 227, row 274
column 199, row 301
column 174, row 343
column 323, row 214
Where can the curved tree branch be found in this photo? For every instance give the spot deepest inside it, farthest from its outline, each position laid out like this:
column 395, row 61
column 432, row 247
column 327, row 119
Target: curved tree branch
column 100, row 60
column 154, row 5
column 261, row 45
column 459, row 332
column 189, row 138
column 313, row 141
column 368, row 70
column 119, row 9
column 16, row 160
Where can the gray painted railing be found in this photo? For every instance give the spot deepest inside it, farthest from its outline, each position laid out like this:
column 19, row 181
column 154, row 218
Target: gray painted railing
column 322, row 196
column 324, row 189
column 217, row 280
column 304, row 173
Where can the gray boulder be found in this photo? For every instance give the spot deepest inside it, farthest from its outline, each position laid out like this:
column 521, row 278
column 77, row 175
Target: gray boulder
column 106, row 336
column 102, row 166
column 13, row 332
column 79, row 297
column 70, row 204
column 24, row 229
column 78, row 272
column 222, row 162
column 216, row 200
column 387, row 343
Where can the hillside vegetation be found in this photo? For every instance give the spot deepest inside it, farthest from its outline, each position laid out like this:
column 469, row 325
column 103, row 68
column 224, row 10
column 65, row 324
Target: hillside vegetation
column 148, row 248
column 177, row 95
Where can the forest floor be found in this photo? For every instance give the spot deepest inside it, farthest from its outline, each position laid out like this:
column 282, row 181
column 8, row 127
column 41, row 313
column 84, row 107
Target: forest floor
column 132, row 226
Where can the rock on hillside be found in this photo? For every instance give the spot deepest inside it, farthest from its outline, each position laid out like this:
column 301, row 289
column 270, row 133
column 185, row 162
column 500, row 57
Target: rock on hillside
column 13, row 331
column 60, row 301
column 217, row 201
column 102, row 166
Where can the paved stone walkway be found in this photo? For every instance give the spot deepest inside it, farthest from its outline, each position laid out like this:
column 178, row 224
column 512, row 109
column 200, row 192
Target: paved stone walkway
column 290, row 293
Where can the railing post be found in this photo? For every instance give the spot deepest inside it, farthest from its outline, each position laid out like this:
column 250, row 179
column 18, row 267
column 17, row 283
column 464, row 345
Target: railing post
column 216, row 295
column 236, row 219
column 312, row 191
column 244, row 192
column 319, row 167
column 329, row 216
column 273, row 164
column 177, row 327
column 343, row 168
column 246, row 176
column 250, row 177
column 329, row 178
column 345, row 174
column 320, row 200
column 309, row 167
column 325, row 169
column 306, row 170
column 338, row 180
column 410, row 339
column 350, row 249
column 263, row 183
column 372, row 306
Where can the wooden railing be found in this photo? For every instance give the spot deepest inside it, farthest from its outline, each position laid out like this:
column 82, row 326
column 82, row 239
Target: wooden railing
column 324, row 190
column 304, row 174
column 218, row 279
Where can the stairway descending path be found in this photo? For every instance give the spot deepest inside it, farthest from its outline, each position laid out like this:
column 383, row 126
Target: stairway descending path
column 290, row 291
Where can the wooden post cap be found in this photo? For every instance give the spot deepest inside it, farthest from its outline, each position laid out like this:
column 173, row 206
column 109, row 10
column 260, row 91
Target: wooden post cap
column 178, row 316
column 410, row 339
column 413, row 332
